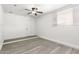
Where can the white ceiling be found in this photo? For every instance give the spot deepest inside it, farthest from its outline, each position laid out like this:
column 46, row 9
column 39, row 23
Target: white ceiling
column 19, row 9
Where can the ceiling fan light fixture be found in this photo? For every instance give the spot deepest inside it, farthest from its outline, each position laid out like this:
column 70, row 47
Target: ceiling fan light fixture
column 34, row 11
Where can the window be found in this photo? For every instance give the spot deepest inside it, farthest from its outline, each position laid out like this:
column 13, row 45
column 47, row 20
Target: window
column 65, row 17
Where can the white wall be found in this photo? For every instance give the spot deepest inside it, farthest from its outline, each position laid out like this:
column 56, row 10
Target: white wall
column 68, row 35
column 18, row 26
column 1, row 26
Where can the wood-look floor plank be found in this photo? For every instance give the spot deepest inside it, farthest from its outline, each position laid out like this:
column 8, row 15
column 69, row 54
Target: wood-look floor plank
column 75, row 51
column 37, row 46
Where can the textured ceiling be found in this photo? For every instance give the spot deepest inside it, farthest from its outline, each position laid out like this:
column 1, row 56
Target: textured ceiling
column 19, row 8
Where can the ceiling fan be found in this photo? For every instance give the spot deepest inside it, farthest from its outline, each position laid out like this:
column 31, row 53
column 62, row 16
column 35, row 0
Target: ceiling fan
column 34, row 11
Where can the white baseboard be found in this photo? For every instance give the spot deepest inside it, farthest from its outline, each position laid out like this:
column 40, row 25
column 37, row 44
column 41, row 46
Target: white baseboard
column 21, row 39
column 60, row 42
column 1, row 44
column 18, row 40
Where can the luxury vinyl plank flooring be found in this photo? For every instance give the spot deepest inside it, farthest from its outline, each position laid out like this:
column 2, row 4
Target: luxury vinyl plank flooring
column 37, row 46
column 75, row 51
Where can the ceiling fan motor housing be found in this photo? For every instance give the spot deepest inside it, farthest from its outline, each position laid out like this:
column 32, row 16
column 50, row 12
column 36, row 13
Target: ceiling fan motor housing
column 34, row 9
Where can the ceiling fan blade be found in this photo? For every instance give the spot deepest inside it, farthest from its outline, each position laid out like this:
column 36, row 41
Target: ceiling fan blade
column 39, row 12
column 35, row 14
column 27, row 9
column 29, row 13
